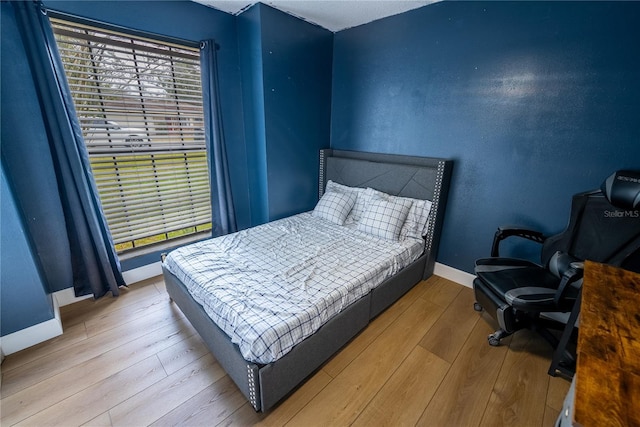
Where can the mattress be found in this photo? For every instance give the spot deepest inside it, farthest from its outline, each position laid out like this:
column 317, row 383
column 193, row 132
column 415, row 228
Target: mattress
column 272, row 286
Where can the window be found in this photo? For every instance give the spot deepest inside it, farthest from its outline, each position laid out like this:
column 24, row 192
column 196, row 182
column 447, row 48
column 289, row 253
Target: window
column 139, row 103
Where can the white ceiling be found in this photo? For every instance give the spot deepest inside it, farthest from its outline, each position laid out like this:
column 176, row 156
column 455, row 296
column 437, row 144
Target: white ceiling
column 334, row 15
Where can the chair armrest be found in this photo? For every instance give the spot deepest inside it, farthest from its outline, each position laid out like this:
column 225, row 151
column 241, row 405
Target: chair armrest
column 572, row 275
column 537, row 299
column 531, row 299
column 504, row 232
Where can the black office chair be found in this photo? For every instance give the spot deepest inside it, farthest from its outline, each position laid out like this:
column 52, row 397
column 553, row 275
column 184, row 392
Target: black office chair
column 604, row 226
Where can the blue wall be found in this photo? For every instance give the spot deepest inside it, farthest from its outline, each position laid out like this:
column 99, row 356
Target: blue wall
column 26, row 280
column 286, row 68
column 297, row 62
column 534, row 101
column 23, row 300
column 23, row 132
column 250, row 52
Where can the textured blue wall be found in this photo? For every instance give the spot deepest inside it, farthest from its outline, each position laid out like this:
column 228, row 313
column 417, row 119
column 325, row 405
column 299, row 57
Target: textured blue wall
column 534, row 101
column 250, row 52
column 297, row 62
column 23, row 132
column 286, row 73
column 23, row 300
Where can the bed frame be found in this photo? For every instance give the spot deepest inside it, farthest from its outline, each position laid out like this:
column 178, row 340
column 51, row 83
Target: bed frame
column 266, row 385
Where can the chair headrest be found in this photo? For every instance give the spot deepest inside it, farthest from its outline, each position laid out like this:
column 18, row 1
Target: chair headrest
column 622, row 189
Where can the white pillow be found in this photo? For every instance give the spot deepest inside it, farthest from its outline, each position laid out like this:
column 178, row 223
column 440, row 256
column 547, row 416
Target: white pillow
column 335, row 206
column 384, row 217
column 362, row 197
column 416, row 224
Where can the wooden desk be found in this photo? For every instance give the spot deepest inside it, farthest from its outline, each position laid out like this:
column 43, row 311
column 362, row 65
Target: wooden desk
column 607, row 383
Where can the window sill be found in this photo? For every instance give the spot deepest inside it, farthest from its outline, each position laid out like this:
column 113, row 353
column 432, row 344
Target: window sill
column 163, row 246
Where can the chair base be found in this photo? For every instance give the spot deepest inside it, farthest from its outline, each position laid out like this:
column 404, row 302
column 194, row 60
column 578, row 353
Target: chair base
column 510, row 322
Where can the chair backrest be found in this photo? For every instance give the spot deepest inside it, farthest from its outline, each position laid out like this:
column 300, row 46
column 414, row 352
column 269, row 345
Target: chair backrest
column 604, row 225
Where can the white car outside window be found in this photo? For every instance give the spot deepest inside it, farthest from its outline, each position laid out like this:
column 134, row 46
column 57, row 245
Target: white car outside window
column 107, row 134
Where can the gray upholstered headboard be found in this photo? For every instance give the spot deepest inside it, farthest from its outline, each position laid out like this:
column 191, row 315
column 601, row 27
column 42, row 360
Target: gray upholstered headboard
column 408, row 176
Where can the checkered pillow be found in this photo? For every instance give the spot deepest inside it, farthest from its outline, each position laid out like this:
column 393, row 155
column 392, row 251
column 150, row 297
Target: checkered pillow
column 335, row 206
column 362, row 198
column 384, row 217
column 416, row 224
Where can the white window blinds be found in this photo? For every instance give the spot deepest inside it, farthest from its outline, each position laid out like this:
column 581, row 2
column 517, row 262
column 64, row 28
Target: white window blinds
column 139, row 103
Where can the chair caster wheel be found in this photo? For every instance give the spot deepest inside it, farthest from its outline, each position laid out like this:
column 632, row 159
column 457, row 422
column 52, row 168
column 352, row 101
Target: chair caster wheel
column 477, row 306
column 494, row 338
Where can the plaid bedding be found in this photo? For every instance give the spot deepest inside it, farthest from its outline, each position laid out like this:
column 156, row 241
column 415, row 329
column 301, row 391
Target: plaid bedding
column 272, row 286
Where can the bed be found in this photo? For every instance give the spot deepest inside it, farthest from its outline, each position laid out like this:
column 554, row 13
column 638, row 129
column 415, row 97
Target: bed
column 266, row 373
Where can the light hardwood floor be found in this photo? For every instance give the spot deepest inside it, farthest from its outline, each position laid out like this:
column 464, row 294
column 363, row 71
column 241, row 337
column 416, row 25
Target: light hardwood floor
column 136, row 361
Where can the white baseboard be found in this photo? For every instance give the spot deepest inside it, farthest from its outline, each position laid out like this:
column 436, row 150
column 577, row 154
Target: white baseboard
column 34, row 334
column 67, row 296
column 142, row 273
column 46, row 330
column 453, row 274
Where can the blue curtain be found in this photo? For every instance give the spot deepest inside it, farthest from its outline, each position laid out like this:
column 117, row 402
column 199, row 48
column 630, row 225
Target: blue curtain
column 222, row 210
column 95, row 265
